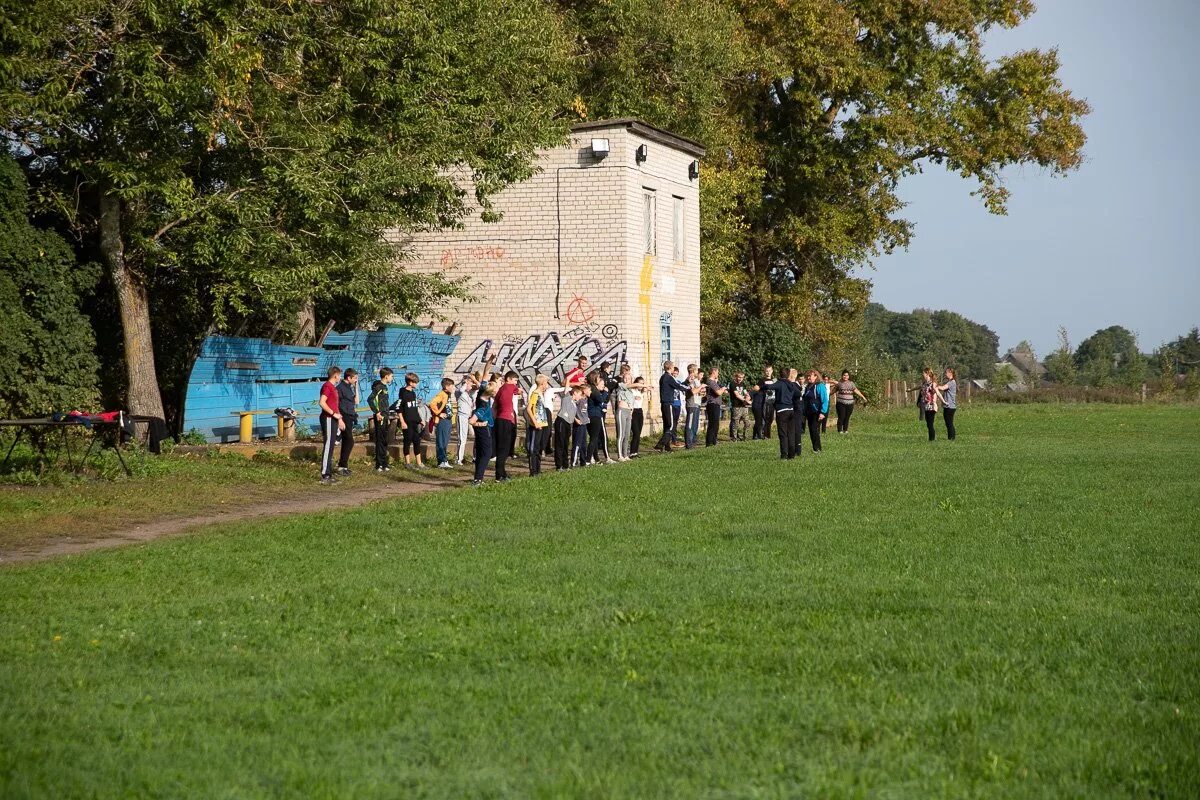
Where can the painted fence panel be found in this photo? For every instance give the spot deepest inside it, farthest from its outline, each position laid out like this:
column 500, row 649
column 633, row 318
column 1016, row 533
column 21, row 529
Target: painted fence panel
column 239, row 374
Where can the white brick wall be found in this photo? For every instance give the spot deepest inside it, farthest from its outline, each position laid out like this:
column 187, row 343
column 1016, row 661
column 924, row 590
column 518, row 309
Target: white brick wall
column 567, row 258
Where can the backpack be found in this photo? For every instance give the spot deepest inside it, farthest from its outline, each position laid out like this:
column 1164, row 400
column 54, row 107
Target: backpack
column 927, row 397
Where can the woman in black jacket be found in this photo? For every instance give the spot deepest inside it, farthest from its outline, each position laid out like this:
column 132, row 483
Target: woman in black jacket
column 787, row 398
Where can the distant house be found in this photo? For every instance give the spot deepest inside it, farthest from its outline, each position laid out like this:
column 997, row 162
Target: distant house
column 1029, row 371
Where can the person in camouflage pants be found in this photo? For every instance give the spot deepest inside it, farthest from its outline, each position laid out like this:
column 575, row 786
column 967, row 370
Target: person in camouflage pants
column 739, row 404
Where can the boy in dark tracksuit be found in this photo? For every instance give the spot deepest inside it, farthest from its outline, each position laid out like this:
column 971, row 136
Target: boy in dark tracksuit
column 348, row 407
column 379, row 400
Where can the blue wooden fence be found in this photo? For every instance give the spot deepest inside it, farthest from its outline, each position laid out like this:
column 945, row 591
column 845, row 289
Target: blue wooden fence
column 239, row 374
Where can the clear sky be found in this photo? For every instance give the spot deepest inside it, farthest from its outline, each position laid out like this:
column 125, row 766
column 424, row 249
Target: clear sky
column 1115, row 243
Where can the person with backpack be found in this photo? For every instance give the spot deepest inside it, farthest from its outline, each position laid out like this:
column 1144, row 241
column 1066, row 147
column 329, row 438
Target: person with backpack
column 928, row 397
column 379, row 401
column 949, row 391
column 816, row 406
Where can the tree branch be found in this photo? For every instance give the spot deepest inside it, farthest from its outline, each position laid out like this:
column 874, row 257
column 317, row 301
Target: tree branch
column 163, row 230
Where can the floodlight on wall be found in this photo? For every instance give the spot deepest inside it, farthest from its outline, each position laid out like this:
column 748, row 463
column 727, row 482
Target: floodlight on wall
column 641, row 153
column 599, row 147
column 693, row 170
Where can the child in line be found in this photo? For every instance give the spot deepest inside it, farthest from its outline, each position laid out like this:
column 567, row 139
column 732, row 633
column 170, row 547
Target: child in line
column 410, row 421
column 348, row 406
column 379, row 400
column 439, row 412
column 481, row 420
column 537, row 423
column 331, row 422
column 563, row 420
column 580, row 430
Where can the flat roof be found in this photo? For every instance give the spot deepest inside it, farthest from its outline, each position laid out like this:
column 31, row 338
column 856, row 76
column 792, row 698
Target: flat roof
column 647, row 131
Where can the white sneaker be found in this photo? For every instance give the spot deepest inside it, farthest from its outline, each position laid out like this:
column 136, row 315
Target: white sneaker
column 444, row 465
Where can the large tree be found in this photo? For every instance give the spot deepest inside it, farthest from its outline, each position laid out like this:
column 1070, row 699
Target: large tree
column 234, row 162
column 815, row 111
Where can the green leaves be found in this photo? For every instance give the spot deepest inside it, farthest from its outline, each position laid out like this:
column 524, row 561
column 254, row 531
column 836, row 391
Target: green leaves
column 814, row 111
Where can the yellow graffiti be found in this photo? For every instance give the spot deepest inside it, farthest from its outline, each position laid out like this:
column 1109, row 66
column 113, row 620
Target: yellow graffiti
column 646, row 284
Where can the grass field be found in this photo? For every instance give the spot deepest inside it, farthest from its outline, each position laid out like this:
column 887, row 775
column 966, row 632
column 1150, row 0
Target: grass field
column 1015, row 614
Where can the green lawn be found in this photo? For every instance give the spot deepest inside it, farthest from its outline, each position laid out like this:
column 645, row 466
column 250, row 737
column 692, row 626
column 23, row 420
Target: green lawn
column 1015, row 614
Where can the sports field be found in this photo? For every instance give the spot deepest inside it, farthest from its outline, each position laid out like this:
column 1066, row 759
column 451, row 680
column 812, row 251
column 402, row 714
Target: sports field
column 1015, row 614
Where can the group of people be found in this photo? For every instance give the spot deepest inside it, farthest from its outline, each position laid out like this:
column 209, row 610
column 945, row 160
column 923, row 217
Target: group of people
column 569, row 422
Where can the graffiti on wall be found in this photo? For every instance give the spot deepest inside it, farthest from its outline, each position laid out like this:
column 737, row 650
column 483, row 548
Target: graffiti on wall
column 551, row 353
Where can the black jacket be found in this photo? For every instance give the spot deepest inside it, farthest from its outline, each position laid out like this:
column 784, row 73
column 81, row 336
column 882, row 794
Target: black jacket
column 378, row 398
column 667, row 386
column 346, row 405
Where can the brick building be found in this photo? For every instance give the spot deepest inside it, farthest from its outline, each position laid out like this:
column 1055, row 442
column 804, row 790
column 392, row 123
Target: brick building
column 598, row 253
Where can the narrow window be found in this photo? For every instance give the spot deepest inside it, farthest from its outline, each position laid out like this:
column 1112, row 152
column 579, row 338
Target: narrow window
column 648, row 222
column 664, row 321
column 677, row 230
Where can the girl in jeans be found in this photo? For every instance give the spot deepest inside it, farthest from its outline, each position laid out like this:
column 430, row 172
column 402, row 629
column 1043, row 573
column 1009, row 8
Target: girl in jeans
column 949, row 391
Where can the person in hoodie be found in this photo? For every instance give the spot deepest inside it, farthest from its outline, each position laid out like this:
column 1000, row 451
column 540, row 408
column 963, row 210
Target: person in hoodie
column 787, row 398
column 815, row 404
column 379, row 401
column 348, row 408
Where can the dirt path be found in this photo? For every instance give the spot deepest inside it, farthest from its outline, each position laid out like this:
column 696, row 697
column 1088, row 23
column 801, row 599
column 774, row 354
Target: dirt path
column 375, row 491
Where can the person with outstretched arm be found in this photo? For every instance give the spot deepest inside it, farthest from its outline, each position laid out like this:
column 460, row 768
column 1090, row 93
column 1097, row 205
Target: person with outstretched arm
column 764, row 403
column 713, row 392
column 949, row 391
column 846, row 391
column 668, row 385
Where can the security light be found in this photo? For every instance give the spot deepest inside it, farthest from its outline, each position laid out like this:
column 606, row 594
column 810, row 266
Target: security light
column 641, row 153
column 694, row 170
column 599, row 147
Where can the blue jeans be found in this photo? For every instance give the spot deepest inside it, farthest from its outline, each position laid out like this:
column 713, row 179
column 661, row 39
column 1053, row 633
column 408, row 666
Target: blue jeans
column 441, row 439
column 691, row 429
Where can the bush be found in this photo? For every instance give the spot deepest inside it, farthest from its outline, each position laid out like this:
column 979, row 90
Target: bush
column 750, row 345
column 47, row 349
column 1067, row 394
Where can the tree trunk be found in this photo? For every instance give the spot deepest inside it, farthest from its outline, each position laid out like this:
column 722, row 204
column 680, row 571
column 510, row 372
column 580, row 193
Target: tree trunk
column 142, row 394
column 306, row 324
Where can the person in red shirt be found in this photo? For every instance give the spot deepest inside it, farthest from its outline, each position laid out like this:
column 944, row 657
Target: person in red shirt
column 505, row 412
column 577, row 376
column 331, row 422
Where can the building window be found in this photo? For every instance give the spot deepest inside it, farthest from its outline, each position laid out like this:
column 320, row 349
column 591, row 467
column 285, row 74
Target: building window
column 648, row 222
column 664, row 322
column 677, row 229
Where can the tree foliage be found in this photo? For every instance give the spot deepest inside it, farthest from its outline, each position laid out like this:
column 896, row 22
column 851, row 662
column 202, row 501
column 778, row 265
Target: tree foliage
column 814, row 112
column 1110, row 357
column 930, row 338
column 251, row 155
column 47, row 351
column 1060, row 365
